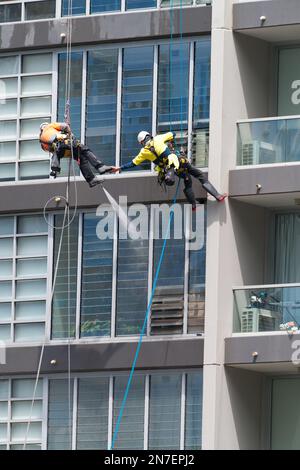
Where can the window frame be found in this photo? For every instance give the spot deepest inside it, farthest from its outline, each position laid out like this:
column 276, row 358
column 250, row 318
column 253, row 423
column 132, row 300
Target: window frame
column 113, row 320
column 14, row 278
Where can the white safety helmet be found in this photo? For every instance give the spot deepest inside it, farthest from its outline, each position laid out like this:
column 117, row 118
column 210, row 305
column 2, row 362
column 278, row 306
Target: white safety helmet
column 142, row 136
column 43, row 125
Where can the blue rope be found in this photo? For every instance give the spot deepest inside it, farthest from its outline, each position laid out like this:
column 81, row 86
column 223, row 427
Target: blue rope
column 145, row 321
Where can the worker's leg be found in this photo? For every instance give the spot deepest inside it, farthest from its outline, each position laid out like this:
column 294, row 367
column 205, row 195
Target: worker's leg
column 88, row 155
column 188, row 190
column 209, row 188
column 55, row 160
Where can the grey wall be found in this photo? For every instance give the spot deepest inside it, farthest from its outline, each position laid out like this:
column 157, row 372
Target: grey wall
column 33, row 196
column 106, row 28
column 241, row 410
column 107, row 357
column 249, row 226
column 279, row 12
column 255, row 67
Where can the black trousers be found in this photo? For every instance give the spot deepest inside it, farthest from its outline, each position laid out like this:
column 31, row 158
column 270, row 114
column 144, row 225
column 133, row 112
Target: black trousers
column 82, row 154
column 186, row 171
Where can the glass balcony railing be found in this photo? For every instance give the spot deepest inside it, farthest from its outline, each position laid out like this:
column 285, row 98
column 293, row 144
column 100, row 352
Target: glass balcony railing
column 267, row 308
column 265, row 141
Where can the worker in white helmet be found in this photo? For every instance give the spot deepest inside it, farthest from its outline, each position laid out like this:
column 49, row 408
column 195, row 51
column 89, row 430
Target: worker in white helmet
column 160, row 151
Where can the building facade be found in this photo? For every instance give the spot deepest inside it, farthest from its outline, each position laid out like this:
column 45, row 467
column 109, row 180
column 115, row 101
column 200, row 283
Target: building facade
column 218, row 363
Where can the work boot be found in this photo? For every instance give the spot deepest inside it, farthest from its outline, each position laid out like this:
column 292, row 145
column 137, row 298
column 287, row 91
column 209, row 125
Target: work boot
column 210, row 189
column 96, row 180
column 104, row 169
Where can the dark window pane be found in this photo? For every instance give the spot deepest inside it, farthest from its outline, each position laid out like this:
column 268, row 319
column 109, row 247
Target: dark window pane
column 61, row 323
column 101, row 104
column 96, row 291
column 98, row 6
column 193, row 411
column 39, row 10
column 173, row 78
column 168, row 301
column 133, row 4
column 202, row 82
column 132, row 285
column 196, row 295
column 136, row 99
column 9, row 13
column 60, row 410
column 131, row 430
column 92, row 414
column 164, row 413
column 78, row 7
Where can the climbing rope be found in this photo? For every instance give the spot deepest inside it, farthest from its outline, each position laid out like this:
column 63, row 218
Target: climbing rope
column 167, row 234
column 121, row 412
column 65, row 224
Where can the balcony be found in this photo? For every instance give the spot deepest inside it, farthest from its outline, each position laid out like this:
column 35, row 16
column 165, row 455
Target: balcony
column 268, row 141
column 268, row 308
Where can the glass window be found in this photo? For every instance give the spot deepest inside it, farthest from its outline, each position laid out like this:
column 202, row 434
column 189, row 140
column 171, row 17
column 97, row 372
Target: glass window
column 40, row 10
column 8, row 130
column 92, row 413
column 8, row 151
column 75, row 90
column 134, row 4
column 193, row 411
column 8, row 87
column 5, row 312
column 29, row 289
column 77, row 8
column 31, row 127
column 6, row 268
column 30, row 310
column 29, row 332
column 60, row 406
column 168, row 301
column 175, row 3
column 37, row 84
column 31, row 267
column 30, row 150
column 173, row 78
column 28, row 224
column 8, row 108
column 37, row 63
column 61, row 323
column 165, row 412
column 96, row 294
column 202, row 81
column 30, row 246
column 98, row 6
column 285, row 431
column 36, row 106
column 101, row 111
column 131, row 431
column 7, row 226
column 6, row 247
column 197, row 268
column 9, row 65
column 132, row 288
column 10, row 13
column 137, row 89
column 7, row 172
column 36, row 170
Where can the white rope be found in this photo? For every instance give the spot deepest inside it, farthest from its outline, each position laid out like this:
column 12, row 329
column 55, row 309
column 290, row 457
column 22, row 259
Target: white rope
column 44, row 342
column 63, row 227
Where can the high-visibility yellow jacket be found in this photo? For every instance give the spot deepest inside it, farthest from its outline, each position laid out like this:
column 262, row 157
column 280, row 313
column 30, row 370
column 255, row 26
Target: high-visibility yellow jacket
column 156, row 150
column 51, row 133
